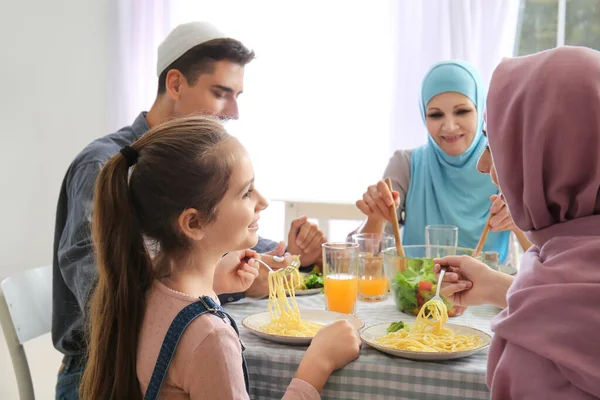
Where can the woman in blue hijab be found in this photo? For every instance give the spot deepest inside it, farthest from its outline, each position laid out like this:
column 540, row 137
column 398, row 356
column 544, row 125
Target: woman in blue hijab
column 439, row 183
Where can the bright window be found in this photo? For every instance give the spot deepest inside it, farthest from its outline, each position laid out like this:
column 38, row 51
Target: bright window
column 541, row 23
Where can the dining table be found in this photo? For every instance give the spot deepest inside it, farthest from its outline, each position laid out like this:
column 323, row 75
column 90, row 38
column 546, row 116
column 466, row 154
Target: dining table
column 374, row 375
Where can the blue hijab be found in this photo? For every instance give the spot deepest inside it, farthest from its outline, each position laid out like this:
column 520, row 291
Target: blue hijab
column 448, row 189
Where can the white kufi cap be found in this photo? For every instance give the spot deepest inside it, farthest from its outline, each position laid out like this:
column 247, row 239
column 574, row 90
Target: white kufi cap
column 183, row 38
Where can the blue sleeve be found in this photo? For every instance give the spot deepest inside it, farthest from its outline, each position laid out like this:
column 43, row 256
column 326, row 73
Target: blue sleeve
column 75, row 249
column 264, row 245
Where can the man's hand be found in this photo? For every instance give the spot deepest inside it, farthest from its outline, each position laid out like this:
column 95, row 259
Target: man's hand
column 235, row 272
column 305, row 240
column 278, row 251
column 260, row 286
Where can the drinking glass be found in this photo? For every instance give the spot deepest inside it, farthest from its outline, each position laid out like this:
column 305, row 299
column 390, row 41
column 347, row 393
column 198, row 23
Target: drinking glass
column 372, row 283
column 440, row 235
column 340, row 273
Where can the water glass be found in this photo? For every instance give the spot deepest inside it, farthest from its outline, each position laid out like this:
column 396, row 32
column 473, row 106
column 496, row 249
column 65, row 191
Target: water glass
column 440, row 235
column 372, row 283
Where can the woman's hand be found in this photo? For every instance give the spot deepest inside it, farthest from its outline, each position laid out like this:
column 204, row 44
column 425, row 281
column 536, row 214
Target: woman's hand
column 501, row 218
column 235, row 272
column 376, row 202
column 469, row 282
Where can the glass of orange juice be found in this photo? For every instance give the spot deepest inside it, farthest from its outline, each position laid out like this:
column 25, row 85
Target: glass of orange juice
column 340, row 269
column 373, row 284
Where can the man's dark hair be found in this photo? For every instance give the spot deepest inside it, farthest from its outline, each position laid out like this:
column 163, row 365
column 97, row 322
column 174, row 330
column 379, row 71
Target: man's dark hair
column 200, row 59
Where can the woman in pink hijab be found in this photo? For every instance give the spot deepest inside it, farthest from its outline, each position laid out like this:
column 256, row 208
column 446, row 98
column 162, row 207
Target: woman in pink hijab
column 543, row 123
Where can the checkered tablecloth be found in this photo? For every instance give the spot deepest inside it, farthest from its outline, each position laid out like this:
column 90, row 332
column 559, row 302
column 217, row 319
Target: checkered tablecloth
column 374, row 375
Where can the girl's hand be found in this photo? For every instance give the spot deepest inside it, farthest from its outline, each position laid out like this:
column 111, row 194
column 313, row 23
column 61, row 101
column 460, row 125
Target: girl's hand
column 333, row 347
column 235, row 272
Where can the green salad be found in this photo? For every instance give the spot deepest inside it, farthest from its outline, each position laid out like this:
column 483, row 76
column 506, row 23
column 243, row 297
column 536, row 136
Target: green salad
column 312, row 280
column 416, row 286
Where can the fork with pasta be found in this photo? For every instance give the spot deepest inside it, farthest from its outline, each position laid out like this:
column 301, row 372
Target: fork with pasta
column 284, row 312
column 287, row 270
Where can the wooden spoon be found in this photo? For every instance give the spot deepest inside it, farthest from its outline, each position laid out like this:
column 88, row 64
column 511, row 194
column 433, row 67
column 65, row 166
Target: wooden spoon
column 396, row 225
column 483, row 237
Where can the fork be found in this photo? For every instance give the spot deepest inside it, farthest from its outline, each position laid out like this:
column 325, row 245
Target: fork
column 439, row 284
column 285, row 271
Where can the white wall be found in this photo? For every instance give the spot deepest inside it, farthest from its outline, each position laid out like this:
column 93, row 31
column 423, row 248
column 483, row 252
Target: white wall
column 53, row 76
column 316, row 110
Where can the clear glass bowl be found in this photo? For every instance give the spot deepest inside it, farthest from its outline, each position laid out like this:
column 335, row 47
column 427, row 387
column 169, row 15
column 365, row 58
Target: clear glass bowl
column 411, row 278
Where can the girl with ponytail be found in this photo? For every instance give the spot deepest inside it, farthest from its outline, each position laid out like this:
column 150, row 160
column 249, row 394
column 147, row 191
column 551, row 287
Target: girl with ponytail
column 166, row 209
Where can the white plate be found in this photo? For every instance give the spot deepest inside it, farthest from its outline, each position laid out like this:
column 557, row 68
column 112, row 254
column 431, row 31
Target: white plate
column 255, row 321
column 374, row 332
column 306, row 292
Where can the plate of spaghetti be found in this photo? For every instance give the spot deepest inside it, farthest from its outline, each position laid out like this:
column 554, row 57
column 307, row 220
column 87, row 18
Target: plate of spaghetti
column 428, row 338
column 284, row 322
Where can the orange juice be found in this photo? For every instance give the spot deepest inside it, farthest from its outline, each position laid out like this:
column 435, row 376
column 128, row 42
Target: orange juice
column 341, row 292
column 372, row 286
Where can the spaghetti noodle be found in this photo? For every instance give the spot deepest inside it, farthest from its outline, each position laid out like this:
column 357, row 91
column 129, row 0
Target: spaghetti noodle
column 429, row 334
column 285, row 315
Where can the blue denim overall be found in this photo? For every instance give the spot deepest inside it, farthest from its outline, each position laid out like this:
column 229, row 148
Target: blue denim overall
column 204, row 305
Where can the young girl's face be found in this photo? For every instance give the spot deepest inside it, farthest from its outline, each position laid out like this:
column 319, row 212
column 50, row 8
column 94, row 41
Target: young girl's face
column 236, row 226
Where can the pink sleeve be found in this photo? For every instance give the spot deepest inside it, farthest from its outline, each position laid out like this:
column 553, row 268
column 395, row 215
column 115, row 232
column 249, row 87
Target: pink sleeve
column 301, row 390
column 215, row 371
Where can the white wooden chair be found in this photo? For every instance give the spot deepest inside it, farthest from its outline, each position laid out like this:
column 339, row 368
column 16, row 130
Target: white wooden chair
column 25, row 313
column 322, row 212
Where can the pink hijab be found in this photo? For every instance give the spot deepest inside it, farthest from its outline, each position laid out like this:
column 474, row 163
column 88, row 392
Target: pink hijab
column 543, row 124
